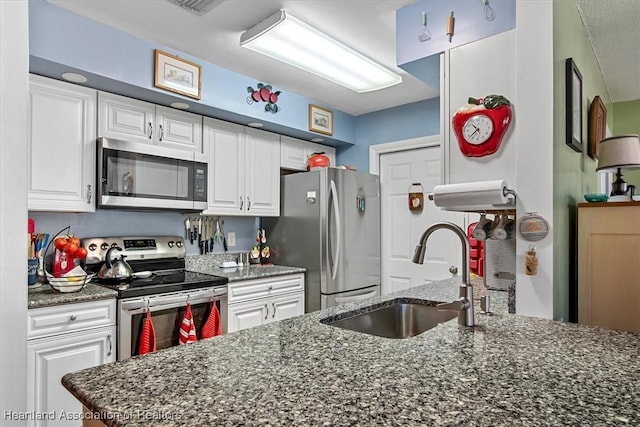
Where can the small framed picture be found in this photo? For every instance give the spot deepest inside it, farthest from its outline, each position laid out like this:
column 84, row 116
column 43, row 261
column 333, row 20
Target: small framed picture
column 597, row 126
column 177, row 75
column 573, row 106
column 320, row 120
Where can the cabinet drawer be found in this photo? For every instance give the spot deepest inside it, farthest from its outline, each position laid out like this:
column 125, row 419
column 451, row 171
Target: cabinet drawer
column 260, row 288
column 70, row 317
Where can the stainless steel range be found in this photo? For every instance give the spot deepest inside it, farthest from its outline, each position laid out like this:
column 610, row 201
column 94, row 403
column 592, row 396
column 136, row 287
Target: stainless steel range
column 160, row 284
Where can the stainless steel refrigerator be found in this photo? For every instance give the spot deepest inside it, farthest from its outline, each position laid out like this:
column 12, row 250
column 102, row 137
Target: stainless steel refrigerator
column 330, row 224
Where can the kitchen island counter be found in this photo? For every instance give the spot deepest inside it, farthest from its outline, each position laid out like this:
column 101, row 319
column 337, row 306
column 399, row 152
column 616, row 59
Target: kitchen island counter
column 507, row 370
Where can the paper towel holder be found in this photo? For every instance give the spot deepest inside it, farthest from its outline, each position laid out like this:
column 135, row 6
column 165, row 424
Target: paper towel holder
column 508, row 205
column 505, row 192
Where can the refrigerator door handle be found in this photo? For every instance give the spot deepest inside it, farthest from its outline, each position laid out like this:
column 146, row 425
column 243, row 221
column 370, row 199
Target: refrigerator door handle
column 336, row 210
column 354, row 298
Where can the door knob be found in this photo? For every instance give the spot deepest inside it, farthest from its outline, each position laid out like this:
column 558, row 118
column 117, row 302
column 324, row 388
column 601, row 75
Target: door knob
column 453, row 270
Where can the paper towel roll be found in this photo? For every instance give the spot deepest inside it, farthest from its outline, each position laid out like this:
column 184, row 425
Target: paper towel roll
column 471, row 193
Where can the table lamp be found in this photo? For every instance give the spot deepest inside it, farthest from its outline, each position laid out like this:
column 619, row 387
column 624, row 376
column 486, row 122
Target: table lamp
column 617, row 153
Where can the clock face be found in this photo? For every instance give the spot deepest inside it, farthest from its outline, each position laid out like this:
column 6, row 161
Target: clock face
column 477, row 129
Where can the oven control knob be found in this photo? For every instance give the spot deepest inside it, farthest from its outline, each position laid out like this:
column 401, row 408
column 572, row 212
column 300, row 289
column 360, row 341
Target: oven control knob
column 171, row 243
column 93, row 247
column 179, row 243
column 104, row 246
column 114, row 245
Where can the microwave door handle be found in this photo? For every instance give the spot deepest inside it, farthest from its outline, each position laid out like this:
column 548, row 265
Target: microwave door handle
column 336, row 212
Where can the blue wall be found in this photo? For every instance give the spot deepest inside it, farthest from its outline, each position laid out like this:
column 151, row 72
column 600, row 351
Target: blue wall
column 393, row 124
column 470, row 25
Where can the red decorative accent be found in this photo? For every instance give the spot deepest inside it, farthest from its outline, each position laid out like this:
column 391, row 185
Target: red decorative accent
column 318, row 160
column 476, row 253
column 498, row 109
column 263, row 93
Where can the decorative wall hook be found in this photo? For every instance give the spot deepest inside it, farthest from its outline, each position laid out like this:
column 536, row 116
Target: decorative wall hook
column 264, row 93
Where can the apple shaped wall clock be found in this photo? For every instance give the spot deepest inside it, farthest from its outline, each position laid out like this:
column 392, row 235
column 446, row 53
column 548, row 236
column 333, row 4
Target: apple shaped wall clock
column 481, row 124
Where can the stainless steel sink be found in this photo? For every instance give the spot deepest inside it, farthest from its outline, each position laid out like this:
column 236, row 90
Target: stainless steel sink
column 401, row 319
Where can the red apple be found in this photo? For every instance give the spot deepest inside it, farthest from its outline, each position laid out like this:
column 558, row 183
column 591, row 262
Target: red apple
column 264, row 94
column 256, row 96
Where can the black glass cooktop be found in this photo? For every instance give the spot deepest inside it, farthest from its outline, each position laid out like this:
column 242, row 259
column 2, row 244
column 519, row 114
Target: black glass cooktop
column 165, row 281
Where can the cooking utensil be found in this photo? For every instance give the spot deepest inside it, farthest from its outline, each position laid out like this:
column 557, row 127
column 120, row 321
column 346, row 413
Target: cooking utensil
column 118, row 270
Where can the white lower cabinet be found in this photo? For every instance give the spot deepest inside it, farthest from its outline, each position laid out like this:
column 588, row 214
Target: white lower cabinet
column 260, row 301
column 50, row 357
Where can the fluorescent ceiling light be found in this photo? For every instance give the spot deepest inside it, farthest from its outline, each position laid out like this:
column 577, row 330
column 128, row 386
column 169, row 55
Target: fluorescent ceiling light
column 286, row 38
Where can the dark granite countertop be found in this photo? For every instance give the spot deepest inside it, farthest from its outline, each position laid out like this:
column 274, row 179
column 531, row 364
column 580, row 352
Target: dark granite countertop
column 45, row 295
column 507, row 370
column 209, row 264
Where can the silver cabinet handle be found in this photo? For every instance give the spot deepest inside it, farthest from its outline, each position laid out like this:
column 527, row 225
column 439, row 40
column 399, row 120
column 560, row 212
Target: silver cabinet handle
column 73, row 317
column 89, row 194
column 110, row 345
column 270, row 287
column 241, row 203
column 249, row 203
column 150, row 130
column 266, row 307
column 161, row 133
column 274, row 310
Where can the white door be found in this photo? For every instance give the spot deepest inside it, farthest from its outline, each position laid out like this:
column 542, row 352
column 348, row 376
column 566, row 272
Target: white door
column 224, row 145
column 245, row 315
column 49, row 359
column 402, row 228
column 125, row 118
column 286, row 306
column 262, row 173
column 61, row 138
column 179, row 129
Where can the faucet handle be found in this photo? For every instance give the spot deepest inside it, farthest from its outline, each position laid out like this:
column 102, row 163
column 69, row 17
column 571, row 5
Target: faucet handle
column 485, row 305
column 457, row 305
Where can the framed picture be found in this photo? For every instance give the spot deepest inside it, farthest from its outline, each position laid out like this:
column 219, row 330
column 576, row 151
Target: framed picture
column 177, row 74
column 320, row 120
column 574, row 106
column 597, row 126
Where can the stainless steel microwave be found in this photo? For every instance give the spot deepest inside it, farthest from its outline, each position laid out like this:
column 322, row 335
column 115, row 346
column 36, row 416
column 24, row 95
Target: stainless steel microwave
column 144, row 176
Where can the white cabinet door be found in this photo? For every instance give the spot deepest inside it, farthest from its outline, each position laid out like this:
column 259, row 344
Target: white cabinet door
column 286, row 306
column 295, row 152
column 247, row 314
column 61, row 139
column 125, row 118
column 262, row 173
column 49, row 359
column 224, row 147
column 244, row 172
column 179, row 129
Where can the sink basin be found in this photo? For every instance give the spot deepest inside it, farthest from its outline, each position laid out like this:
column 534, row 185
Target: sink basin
column 401, row 319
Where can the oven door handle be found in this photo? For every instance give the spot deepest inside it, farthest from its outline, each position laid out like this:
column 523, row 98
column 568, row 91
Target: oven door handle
column 170, row 301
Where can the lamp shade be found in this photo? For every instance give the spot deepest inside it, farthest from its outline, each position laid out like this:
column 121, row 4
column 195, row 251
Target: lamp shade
column 619, row 152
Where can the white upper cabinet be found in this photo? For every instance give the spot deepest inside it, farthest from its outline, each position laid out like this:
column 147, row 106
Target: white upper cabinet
column 244, row 177
column 295, row 152
column 132, row 120
column 262, row 170
column 61, row 146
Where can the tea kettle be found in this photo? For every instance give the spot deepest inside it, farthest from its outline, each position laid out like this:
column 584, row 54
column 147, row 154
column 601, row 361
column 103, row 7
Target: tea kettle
column 318, row 160
column 118, row 270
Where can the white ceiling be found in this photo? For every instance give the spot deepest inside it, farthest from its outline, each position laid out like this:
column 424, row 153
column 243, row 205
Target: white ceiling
column 613, row 26
column 366, row 25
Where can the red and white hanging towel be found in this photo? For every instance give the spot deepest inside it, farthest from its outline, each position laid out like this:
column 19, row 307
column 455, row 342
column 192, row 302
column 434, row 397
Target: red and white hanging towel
column 187, row 328
column 213, row 326
column 147, row 342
